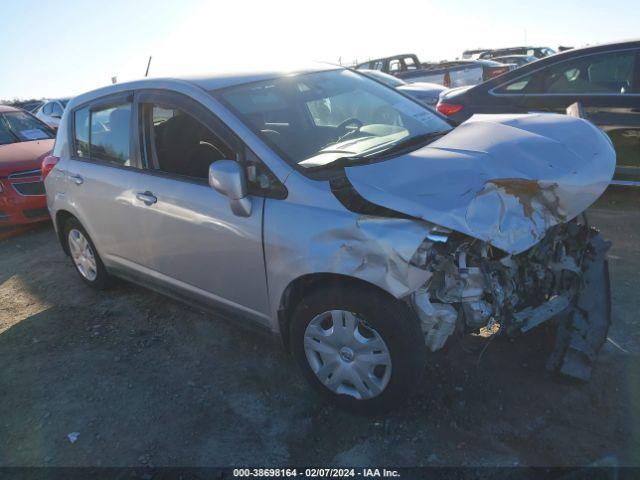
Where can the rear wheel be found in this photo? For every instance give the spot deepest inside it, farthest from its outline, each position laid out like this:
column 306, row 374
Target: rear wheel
column 359, row 348
column 84, row 255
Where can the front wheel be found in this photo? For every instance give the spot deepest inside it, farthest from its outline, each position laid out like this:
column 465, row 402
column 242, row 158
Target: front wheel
column 361, row 349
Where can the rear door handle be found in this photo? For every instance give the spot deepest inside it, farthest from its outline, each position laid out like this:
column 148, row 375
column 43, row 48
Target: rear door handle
column 147, row 197
column 77, row 179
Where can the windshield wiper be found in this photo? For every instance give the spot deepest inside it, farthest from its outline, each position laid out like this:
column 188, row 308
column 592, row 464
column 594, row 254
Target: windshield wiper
column 341, row 162
column 410, row 143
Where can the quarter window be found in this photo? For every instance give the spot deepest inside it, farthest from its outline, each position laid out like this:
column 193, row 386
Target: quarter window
column 518, row 85
column 56, row 109
column 47, row 109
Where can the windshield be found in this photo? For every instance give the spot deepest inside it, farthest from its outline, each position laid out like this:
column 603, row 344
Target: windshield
column 315, row 119
column 22, row 127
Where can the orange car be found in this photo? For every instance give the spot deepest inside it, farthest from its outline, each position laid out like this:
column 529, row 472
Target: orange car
column 24, row 142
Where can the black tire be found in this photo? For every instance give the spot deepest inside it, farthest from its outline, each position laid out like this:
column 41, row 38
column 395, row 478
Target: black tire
column 102, row 278
column 394, row 323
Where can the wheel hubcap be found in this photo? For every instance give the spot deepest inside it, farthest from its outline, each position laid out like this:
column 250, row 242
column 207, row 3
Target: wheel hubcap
column 347, row 355
column 82, row 255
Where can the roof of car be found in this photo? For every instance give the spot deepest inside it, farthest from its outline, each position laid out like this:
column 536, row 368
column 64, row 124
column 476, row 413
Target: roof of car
column 8, row 108
column 514, row 56
column 207, row 82
column 229, row 79
column 390, row 57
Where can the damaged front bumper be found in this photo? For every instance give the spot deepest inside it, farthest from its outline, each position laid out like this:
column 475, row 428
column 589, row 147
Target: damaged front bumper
column 563, row 279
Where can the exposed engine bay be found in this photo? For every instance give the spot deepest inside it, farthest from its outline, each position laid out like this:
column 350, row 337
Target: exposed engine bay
column 563, row 278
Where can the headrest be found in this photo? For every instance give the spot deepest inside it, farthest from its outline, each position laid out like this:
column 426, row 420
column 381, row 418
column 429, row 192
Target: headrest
column 119, row 120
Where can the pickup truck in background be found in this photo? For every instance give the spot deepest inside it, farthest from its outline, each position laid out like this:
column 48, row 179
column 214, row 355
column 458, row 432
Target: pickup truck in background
column 457, row 73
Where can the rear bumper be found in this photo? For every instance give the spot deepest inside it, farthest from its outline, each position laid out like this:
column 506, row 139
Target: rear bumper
column 20, row 209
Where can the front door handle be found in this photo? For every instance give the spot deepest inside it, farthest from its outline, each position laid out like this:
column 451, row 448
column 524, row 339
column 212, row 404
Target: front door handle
column 147, row 197
column 77, row 179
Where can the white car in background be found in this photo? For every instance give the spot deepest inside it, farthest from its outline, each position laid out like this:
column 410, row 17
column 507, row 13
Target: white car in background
column 424, row 92
column 50, row 112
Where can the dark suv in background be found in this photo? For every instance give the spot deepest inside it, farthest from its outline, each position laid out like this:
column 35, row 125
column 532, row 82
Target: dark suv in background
column 604, row 79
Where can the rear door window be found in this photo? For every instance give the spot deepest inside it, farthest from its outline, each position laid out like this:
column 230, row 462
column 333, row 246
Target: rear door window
column 110, row 134
column 608, row 73
column 605, row 73
column 104, row 133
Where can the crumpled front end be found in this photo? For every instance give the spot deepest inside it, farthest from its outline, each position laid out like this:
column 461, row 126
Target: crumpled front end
column 563, row 278
column 503, row 179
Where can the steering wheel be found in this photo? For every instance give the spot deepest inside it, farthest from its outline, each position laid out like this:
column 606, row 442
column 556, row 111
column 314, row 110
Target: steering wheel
column 350, row 121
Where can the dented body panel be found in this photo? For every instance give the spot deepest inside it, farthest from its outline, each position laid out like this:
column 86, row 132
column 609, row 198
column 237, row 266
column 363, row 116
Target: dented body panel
column 504, row 179
column 512, row 254
column 331, row 239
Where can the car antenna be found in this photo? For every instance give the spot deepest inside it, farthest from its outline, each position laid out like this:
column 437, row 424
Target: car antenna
column 146, row 74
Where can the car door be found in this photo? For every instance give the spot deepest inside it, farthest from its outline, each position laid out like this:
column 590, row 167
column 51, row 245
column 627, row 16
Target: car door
column 606, row 85
column 101, row 175
column 197, row 245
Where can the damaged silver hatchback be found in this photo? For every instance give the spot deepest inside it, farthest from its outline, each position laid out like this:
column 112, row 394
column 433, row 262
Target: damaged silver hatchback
column 355, row 224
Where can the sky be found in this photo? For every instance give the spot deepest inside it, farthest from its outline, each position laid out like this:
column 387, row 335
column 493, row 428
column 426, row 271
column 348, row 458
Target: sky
column 59, row 48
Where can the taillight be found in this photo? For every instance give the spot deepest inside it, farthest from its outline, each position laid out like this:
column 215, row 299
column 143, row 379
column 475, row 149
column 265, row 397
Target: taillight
column 448, row 108
column 496, row 72
column 446, row 81
column 47, row 165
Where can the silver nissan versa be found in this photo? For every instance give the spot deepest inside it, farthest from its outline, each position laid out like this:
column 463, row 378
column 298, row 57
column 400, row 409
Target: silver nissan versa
column 344, row 217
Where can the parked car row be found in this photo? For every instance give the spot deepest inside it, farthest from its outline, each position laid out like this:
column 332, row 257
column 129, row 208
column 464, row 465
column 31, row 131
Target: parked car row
column 449, row 74
column 604, row 79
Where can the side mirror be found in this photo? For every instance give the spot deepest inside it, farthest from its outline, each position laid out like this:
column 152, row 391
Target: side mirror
column 228, row 178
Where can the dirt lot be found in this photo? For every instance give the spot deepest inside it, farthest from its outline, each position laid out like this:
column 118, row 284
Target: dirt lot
column 145, row 380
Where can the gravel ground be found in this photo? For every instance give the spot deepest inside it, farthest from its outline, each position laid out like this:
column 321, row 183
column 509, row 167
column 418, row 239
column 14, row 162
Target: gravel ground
column 144, row 380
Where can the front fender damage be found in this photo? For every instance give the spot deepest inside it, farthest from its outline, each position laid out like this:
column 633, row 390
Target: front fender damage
column 456, row 282
column 374, row 249
column 563, row 279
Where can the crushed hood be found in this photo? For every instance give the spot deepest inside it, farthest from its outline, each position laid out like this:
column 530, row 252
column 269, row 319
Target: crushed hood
column 504, row 179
